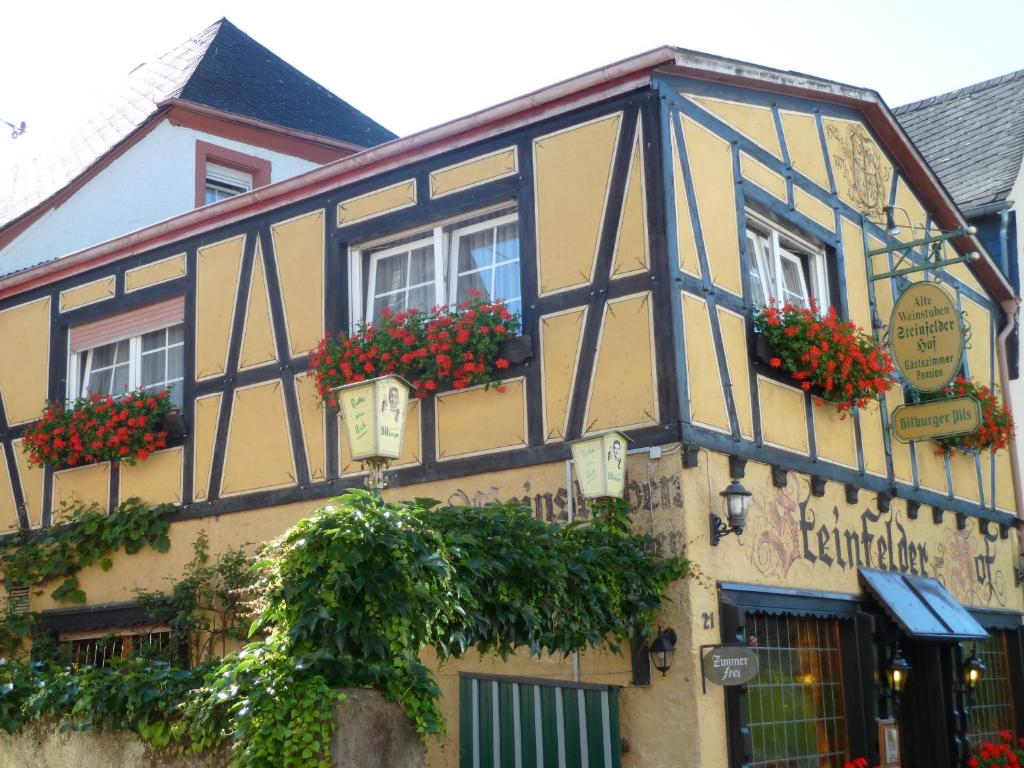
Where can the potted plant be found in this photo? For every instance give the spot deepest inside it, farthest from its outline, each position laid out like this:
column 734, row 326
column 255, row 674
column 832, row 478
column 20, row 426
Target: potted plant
column 843, row 364
column 99, row 428
column 458, row 347
column 1007, row 752
column 996, row 428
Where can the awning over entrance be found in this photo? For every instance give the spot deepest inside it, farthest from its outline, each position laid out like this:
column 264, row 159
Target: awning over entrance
column 921, row 606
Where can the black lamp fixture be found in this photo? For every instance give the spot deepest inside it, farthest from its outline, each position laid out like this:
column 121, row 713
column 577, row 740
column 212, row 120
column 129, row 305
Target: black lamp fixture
column 898, row 671
column 737, row 502
column 663, row 649
column 973, row 670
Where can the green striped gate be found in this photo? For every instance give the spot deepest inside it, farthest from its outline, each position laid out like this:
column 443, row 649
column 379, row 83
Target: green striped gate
column 507, row 722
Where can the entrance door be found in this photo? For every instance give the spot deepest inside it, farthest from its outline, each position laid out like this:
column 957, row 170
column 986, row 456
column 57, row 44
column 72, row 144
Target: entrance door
column 928, row 706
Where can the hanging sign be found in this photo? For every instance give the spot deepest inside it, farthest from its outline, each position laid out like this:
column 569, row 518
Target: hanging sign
column 373, row 412
column 938, row 418
column 729, row 665
column 927, row 335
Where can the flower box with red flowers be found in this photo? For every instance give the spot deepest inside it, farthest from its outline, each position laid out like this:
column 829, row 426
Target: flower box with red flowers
column 825, row 354
column 99, row 428
column 1006, row 753
column 433, row 350
column 996, row 430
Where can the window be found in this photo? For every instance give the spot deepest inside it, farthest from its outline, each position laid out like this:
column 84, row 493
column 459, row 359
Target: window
column 795, row 704
column 81, row 649
column 223, row 182
column 440, row 265
column 222, row 173
column 143, row 348
column 992, row 706
column 784, row 266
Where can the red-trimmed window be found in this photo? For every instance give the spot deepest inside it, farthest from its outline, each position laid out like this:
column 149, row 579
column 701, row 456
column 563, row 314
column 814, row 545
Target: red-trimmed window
column 222, row 173
column 141, row 348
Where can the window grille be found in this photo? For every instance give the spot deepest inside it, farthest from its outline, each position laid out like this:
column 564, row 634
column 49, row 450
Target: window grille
column 992, row 702
column 98, row 651
column 795, row 704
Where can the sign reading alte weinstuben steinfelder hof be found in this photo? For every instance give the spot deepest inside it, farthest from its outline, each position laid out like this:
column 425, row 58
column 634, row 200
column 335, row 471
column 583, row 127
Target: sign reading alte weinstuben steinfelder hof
column 926, row 334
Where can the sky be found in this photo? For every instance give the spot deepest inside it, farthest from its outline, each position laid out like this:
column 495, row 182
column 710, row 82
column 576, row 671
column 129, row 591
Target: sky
column 412, row 65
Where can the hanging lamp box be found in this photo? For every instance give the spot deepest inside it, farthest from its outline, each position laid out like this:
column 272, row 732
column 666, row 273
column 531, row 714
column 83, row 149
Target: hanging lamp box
column 374, row 415
column 601, row 464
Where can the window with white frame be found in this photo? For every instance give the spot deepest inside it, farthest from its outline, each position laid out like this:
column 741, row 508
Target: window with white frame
column 784, row 266
column 143, row 348
column 443, row 264
column 223, row 182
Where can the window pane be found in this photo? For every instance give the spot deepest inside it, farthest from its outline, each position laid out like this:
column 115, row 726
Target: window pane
column 99, row 381
column 154, row 340
column 394, row 301
column 123, row 352
column 176, row 334
column 421, row 298
column 506, row 282
column 476, row 250
column 507, row 245
column 175, row 363
column 103, row 357
column 793, row 283
column 153, row 367
column 391, row 274
column 120, row 381
column 471, row 282
column 421, row 266
column 756, row 287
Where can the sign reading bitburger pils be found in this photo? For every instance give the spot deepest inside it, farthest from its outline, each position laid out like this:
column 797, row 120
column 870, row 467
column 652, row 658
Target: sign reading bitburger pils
column 926, row 334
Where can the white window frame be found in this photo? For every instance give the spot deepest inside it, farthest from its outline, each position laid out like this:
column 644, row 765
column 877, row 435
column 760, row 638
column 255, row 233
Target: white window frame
column 471, row 229
column 407, row 248
column 74, row 390
column 784, row 245
column 361, row 297
column 227, row 179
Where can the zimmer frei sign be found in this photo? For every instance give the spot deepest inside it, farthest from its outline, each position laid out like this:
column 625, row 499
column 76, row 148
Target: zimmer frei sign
column 926, row 334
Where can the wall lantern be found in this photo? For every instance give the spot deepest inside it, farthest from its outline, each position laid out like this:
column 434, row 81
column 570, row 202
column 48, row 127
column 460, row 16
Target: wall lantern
column 737, row 502
column 891, row 227
column 973, row 670
column 663, row 649
column 898, row 671
column 374, row 415
column 601, row 464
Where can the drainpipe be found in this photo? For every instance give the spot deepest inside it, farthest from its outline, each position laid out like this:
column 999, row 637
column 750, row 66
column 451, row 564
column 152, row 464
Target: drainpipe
column 1010, row 310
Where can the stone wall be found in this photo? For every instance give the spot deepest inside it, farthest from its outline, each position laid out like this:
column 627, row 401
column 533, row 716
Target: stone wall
column 371, row 732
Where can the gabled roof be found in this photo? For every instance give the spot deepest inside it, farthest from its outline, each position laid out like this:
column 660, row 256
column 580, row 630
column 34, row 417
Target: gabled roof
column 972, row 137
column 222, row 68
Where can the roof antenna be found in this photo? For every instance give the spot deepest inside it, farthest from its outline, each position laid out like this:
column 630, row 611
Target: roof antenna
column 16, row 130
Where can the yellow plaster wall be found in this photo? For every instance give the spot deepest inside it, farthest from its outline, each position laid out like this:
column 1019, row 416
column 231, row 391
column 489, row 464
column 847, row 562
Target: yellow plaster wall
column 804, row 145
column 862, row 172
column 299, row 251
column 157, row 272
column 856, row 273
column 980, row 351
column 964, row 472
column 624, row 389
column 631, row 244
column 217, row 273
column 81, row 485
column 90, row 293
column 561, row 335
column 871, row 438
column 258, row 340
column 572, row 174
column 31, row 478
column 1004, row 483
column 783, row 418
column 377, row 203
column 686, row 244
column 412, row 443
column 915, row 212
column 313, row 416
column 761, row 175
column 204, row 435
column 157, row 480
column 25, row 337
column 474, row 421
column 8, row 509
column 258, row 451
column 710, row 159
column 813, row 208
column 737, row 358
column 931, row 467
column 703, row 378
column 834, row 435
column 471, row 173
column 753, row 121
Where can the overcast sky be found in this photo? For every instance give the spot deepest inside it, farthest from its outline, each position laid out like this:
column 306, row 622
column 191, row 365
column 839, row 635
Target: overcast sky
column 411, row 65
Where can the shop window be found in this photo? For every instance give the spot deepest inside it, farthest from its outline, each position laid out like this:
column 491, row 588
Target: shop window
column 98, row 649
column 795, row 704
column 784, row 266
column 992, row 705
column 143, row 348
column 442, row 264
